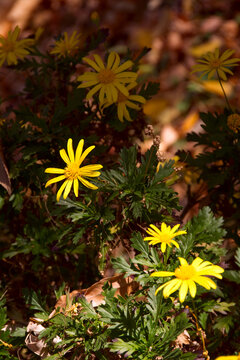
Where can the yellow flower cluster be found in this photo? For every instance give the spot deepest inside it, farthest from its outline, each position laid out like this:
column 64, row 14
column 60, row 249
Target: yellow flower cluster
column 111, row 82
column 233, row 122
column 185, row 275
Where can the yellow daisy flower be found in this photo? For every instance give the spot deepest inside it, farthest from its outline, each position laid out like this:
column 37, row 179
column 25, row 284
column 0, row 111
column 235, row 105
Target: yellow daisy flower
column 231, row 357
column 11, row 49
column 108, row 80
column 67, row 45
column 212, row 63
column 126, row 101
column 186, row 277
column 73, row 173
column 164, row 236
column 233, row 122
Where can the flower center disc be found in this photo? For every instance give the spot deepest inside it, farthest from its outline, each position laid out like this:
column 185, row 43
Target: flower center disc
column 185, row 272
column 121, row 97
column 8, row 46
column 72, row 171
column 106, row 76
column 216, row 64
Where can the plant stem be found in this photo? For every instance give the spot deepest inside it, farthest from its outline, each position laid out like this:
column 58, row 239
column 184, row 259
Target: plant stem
column 199, row 331
column 220, row 82
column 148, row 163
column 165, row 258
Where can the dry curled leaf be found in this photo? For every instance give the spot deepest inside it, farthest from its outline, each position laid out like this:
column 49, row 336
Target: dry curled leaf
column 123, row 286
column 182, row 339
column 93, row 294
column 4, row 176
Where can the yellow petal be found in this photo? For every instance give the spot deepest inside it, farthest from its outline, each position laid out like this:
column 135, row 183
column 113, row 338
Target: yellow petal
column 64, row 156
column 92, row 167
column 120, row 112
column 192, row 287
column 54, row 180
column 155, row 228
column 131, row 105
column 75, row 187
column 174, row 228
column 70, row 150
column 59, row 193
column 205, row 282
column 93, row 91
column 163, row 247
column 162, row 273
column 87, row 183
column 171, row 286
column 79, row 150
column 175, row 243
column 183, row 261
column 110, row 60
column 183, row 291
column 126, row 74
column 126, row 113
column 54, row 171
column 137, row 98
column 116, row 62
column 91, row 63
column 114, row 93
column 99, row 61
column 85, row 153
column 67, row 188
column 124, row 66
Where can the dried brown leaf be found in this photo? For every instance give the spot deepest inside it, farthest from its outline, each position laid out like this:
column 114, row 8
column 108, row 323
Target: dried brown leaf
column 4, row 176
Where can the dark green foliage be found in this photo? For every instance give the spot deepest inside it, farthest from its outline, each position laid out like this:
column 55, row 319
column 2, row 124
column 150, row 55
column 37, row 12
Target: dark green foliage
column 47, row 247
column 218, row 166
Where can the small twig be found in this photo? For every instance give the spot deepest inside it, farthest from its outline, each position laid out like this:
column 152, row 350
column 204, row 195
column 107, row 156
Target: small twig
column 220, row 82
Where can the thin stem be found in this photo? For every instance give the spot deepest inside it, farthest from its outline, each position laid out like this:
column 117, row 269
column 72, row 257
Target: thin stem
column 220, row 82
column 165, row 257
column 199, row 330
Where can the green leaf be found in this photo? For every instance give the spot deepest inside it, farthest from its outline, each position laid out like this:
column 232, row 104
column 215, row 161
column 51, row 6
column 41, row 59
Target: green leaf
column 203, row 319
column 127, row 348
column 128, row 160
column 137, row 208
column 122, row 265
column 33, row 299
column 224, row 324
column 88, row 311
column 232, row 275
column 154, row 304
column 237, row 257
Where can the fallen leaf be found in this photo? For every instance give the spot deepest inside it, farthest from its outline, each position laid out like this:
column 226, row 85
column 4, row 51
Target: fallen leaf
column 214, row 87
column 182, row 339
column 4, row 176
column 189, row 122
column 202, row 49
column 124, row 286
column 154, row 107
